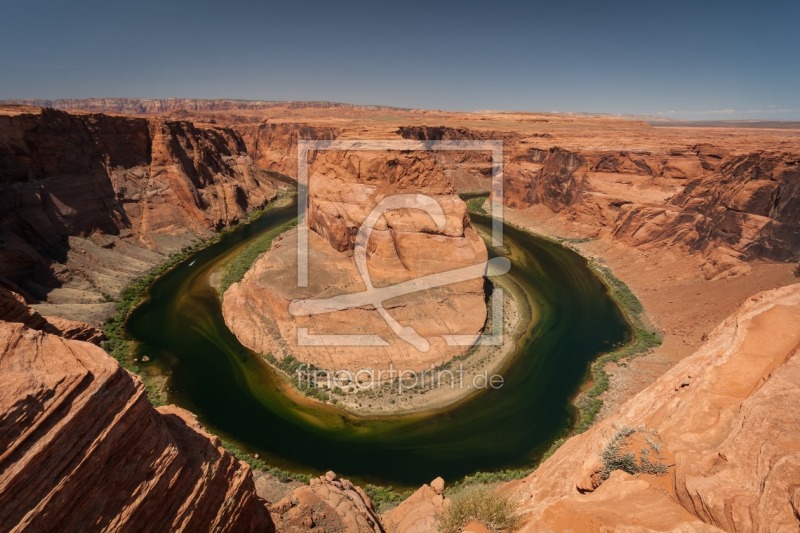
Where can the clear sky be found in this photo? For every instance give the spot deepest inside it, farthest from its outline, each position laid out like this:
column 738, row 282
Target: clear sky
column 683, row 59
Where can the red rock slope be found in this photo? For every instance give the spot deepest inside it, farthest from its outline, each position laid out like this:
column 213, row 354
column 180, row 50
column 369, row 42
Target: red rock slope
column 81, row 448
column 725, row 421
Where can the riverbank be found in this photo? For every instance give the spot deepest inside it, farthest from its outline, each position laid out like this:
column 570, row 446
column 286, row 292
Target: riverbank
column 182, row 328
column 678, row 301
column 120, row 346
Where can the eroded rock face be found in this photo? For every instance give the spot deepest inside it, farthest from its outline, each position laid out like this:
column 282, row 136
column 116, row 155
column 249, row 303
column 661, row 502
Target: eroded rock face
column 83, row 449
column 14, row 309
column 729, row 434
column 731, row 207
column 273, row 146
column 152, row 183
column 406, row 244
column 730, row 201
column 747, row 208
column 328, row 503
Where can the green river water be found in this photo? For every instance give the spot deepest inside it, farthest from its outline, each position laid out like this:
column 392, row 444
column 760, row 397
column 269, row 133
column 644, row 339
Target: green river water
column 236, row 394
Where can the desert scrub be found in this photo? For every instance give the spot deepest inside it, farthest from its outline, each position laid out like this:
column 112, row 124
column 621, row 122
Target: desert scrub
column 480, row 503
column 486, row 478
column 620, row 453
column 385, row 498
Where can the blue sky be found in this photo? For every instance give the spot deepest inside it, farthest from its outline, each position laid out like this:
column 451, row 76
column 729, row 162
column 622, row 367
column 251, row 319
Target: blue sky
column 694, row 60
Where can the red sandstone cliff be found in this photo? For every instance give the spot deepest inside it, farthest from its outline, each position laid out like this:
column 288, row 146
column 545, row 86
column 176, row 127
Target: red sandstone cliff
column 115, row 190
column 82, row 449
column 732, row 203
column 724, row 422
column 273, row 146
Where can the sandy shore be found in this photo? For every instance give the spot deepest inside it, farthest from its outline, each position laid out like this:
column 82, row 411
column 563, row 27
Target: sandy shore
column 468, row 372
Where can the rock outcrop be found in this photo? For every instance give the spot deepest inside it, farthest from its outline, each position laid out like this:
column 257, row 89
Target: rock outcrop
column 273, row 146
column 14, row 309
column 83, row 449
column 732, row 207
column 722, row 421
column 328, row 503
column 420, row 512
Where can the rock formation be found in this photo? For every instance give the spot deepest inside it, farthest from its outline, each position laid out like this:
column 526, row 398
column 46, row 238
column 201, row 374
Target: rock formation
column 725, row 426
column 83, row 449
column 419, row 512
column 732, row 203
column 14, row 309
column 405, row 245
column 88, row 201
column 273, row 146
column 732, row 208
column 146, row 106
column 328, row 503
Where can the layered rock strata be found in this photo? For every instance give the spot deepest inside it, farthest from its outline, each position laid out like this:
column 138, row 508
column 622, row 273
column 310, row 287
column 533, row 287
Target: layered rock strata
column 405, row 245
column 721, row 422
column 83, row 449
column 88, row 201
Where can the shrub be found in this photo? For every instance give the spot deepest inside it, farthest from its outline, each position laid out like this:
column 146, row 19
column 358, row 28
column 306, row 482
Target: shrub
column 384, row 498
column 616, row 457
column 479, row 504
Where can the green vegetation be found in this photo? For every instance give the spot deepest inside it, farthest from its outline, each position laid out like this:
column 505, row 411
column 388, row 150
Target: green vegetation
column 482, row 504
column 385, row 498
column 617, row 456
column 258, row 464
column 245, row 259
column 475, row 205
column 644, row 338
column 487, row 478
column 117, row 343
column 302, row 376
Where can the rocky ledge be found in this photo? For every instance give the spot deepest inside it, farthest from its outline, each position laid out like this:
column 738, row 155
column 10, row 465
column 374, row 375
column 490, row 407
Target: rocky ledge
column 83, row 449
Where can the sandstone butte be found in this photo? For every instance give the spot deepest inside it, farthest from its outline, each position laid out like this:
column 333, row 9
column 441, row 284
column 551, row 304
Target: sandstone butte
column 696, row 220
column 405, row 245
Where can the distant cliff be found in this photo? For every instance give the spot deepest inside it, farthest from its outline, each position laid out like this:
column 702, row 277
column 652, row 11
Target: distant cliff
column 731, row 203
column 115, row 182
column 139, row 106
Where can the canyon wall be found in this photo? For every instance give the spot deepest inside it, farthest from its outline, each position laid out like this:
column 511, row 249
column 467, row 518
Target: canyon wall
column 727, row 202
column 83, row 449
column 723, row 424
column 84, row 198
column 273, row 146
column 141, row 106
